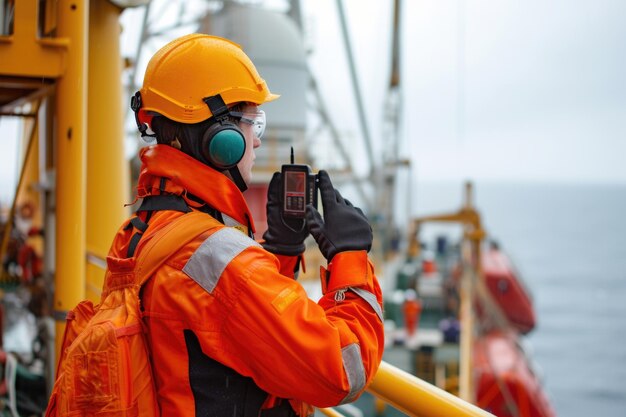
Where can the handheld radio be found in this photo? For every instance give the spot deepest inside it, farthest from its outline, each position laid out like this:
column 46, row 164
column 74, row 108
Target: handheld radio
column 299, row 188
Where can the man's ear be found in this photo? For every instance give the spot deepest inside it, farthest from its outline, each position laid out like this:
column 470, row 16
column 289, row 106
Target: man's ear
column 176, row 144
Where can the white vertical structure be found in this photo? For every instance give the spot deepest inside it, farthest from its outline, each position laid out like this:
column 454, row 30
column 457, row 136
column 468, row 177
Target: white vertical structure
column 274, row 43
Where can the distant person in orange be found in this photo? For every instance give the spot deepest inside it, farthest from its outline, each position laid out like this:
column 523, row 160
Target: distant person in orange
column 412, row 309
column 231, row 332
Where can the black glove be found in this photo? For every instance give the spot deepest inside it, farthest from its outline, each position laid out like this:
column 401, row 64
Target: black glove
column 283, row 236
column 344, row 226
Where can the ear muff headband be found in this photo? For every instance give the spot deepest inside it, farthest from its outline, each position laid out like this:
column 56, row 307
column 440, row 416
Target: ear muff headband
column 223, row 143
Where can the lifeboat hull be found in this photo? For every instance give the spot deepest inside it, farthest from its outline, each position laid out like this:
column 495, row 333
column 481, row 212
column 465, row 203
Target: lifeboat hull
column 508, row 290
column 506, row 385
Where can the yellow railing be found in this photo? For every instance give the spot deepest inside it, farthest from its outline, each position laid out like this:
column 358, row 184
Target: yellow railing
column 415, row 397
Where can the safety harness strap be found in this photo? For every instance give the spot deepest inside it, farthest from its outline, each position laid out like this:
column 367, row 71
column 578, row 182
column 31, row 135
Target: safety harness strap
column 132, row 246
column 141, row 226
column 152, row 204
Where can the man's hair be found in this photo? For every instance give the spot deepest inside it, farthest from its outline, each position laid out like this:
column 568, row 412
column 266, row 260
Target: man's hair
column 188, row 134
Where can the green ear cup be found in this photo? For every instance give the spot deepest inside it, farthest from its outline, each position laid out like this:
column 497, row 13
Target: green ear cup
column 226, row 148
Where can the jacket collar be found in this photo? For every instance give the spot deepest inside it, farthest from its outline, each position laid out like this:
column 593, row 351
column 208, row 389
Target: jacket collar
column 189, row 174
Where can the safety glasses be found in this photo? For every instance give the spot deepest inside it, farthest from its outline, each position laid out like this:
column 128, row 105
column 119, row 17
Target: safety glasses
column 257, row 120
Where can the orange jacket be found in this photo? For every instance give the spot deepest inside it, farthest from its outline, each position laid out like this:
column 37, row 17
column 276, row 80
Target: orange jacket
column 245, row 308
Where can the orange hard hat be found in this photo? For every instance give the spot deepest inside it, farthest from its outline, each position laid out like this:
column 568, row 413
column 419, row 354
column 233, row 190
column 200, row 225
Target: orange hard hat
column 197, row 66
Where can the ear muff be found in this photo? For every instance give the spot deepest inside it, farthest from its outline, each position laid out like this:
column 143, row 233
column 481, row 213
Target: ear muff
column 223, row 144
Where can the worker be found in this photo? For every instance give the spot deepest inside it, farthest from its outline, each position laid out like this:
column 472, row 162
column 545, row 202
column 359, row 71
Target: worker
column 411, row 308
column 230, row 331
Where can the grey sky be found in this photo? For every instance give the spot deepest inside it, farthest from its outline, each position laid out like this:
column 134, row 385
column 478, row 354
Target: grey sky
column 540, row 95
column 544, row 90
column 543, row 84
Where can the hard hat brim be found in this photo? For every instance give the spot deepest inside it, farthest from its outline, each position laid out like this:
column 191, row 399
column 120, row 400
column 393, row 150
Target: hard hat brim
column 271, row 97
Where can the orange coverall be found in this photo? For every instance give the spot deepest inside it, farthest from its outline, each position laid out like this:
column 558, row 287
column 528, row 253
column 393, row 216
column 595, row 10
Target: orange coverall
column 243, row 306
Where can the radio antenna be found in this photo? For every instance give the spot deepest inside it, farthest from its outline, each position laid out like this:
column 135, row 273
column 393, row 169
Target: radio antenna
column 292, row 155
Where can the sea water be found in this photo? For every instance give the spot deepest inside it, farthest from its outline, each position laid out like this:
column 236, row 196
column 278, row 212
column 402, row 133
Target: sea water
column 569, row 243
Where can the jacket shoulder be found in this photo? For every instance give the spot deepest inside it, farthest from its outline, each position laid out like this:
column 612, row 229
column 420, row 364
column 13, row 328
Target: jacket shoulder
column 208, row 262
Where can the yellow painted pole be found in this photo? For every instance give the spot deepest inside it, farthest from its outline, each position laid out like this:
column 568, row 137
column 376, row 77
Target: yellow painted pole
column 468, row 279
column 108, row 174
column 70, row 162
column 473, row 235
column 470, row 264
column 417, row 398
column 466, row 375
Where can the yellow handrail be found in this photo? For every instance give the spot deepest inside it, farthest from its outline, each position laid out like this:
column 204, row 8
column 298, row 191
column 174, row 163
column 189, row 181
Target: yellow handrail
column 417, row 398
column 330, row 412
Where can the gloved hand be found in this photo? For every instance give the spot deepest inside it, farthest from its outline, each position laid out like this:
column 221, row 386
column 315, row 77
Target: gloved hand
column 283, row 236
column 344, row 226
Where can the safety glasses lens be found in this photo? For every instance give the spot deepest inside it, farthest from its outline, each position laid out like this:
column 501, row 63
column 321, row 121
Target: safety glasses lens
column 259, row 124
column 257, row 120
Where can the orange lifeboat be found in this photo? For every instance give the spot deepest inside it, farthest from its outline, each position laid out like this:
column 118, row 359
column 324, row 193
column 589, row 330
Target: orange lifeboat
column 506, row 385
column 508, row 290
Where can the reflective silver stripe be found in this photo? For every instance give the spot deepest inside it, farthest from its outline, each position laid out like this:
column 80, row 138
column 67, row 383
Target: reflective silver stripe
column 353, row 365
column 371, row 300
column 208, row 262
